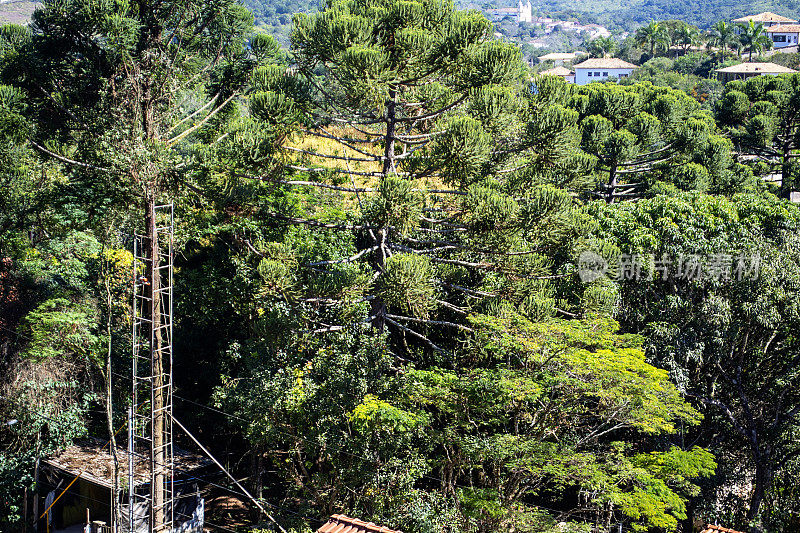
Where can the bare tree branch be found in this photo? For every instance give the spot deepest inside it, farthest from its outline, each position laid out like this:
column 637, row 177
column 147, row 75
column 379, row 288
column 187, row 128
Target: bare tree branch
column 415, row 334
column 346, row 260
column 65, row 159
column 432, row 322
column 202, row 122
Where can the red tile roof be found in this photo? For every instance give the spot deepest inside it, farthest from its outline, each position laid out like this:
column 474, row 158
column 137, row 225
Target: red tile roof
column 711, row 528
column 340, row 523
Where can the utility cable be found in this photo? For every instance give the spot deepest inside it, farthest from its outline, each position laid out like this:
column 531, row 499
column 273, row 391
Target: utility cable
column 228, row 474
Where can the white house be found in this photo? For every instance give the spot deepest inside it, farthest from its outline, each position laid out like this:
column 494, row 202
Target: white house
column 783, row 35
column 601, row 69
column 766, row 18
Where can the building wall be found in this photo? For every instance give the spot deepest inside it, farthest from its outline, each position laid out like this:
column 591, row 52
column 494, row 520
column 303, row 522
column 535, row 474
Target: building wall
column 783, row 40
column 582, row 76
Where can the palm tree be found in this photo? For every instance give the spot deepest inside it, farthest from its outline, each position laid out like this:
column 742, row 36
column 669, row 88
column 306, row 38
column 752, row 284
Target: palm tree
column 601, row 47
column 754, row 37
column 722, row 35
column 687, row 36
column 653, row 36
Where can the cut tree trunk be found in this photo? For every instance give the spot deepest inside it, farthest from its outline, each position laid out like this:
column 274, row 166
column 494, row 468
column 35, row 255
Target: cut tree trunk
column 158, row 419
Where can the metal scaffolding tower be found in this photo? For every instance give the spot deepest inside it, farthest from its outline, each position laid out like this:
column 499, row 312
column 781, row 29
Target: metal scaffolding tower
column 150, row 438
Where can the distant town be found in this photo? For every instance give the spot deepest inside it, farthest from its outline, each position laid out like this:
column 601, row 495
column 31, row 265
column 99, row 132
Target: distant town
column 523, row 14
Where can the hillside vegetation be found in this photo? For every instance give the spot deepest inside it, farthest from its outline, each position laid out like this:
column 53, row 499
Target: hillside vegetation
column 628, row 15
column 615, row 14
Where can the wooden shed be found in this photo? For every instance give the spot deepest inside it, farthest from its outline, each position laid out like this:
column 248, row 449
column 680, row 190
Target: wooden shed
column 80, row 480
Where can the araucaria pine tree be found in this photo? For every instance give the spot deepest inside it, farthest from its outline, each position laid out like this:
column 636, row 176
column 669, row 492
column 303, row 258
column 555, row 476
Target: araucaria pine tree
column 427, row 128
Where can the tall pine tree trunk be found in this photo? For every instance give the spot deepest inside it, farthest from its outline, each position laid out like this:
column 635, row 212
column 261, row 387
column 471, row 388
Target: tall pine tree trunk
column 378, row 306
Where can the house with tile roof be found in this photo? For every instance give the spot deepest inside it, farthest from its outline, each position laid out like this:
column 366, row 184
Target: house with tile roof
column 340, row 523
column 766, row 19
column 602, row 69
column 783, row 35
column 750, row 70
column 561, row 72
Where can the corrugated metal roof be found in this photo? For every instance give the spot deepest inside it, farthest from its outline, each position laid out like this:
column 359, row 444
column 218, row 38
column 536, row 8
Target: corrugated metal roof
column 340, row 523
column 92, row 460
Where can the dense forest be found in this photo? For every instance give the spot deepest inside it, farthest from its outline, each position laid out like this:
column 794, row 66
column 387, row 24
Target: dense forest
column 414, row 281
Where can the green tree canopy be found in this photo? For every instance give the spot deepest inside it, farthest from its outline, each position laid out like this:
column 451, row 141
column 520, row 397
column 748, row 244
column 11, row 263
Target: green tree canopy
column 726, row 335
column 642, row 132
column 761, row 117
column 443, row 162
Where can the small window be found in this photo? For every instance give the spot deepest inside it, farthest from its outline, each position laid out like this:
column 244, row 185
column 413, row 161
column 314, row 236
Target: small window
column 590, row 74
column 605, row 74
column 597, row 74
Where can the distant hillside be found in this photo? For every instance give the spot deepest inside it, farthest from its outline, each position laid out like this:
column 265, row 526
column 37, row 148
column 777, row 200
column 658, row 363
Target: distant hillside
column 275, row 16
column 630, row 14
column 16, row 12
column 625, row 15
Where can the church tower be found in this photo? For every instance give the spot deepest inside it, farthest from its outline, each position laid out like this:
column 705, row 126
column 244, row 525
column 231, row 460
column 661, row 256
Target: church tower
column 525, row 11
